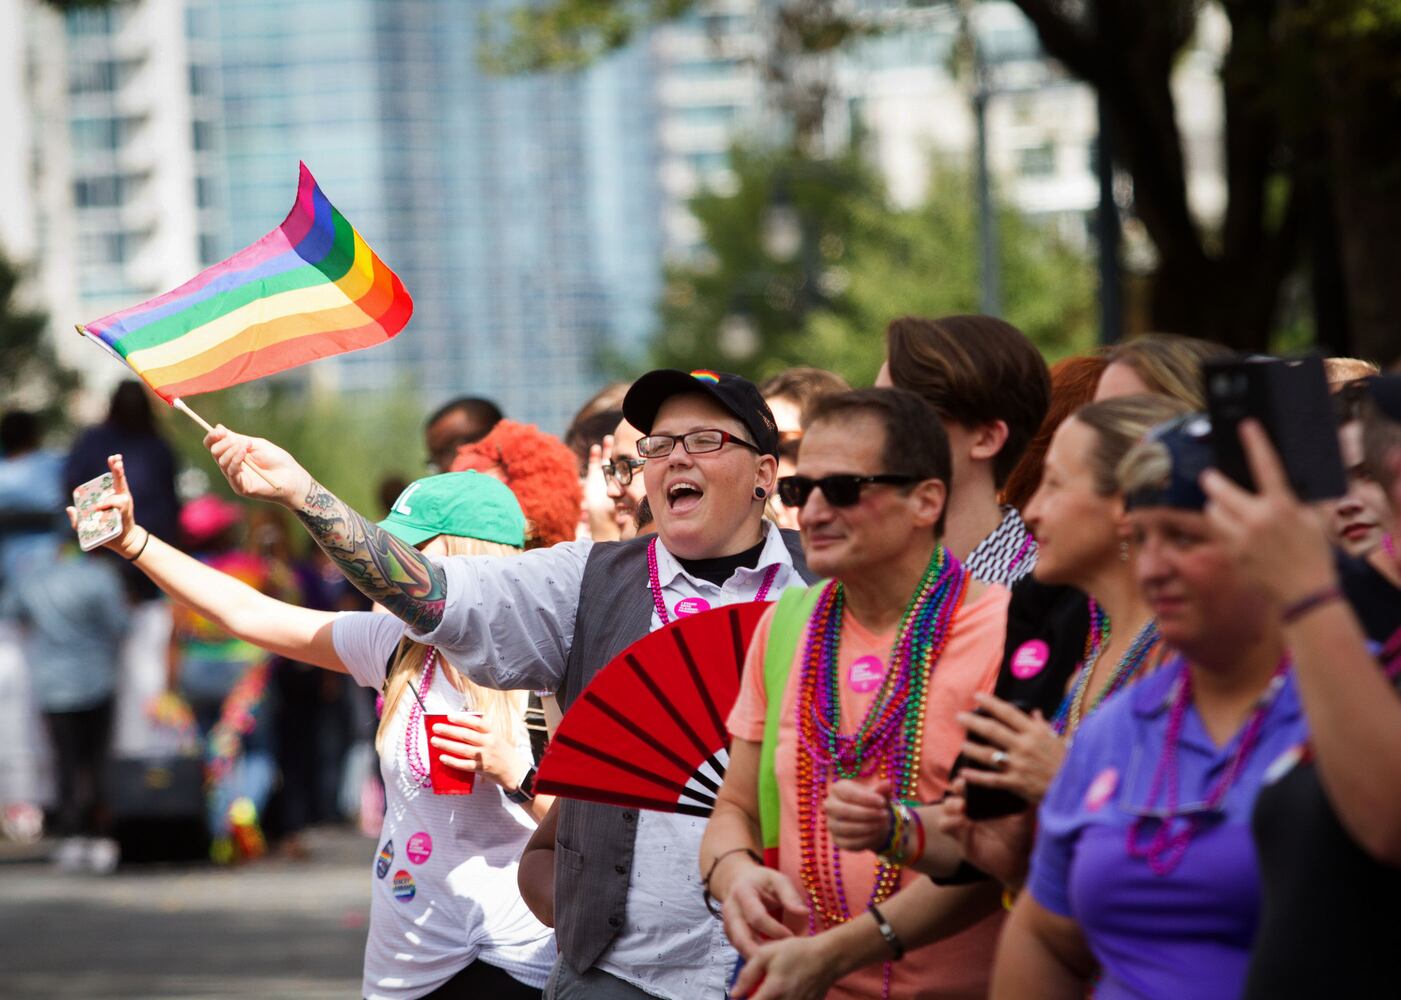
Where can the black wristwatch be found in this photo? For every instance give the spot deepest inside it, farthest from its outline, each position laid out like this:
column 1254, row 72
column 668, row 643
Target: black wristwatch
column 525, row 791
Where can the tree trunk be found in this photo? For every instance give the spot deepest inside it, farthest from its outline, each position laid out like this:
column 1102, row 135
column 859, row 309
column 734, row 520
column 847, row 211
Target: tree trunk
column 1365, row 156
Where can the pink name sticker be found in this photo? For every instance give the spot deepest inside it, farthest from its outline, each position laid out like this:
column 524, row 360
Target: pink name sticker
column 690, row 606
column 1102, row 789
column 866, row 674
column 419, row 848
column 1030, row 659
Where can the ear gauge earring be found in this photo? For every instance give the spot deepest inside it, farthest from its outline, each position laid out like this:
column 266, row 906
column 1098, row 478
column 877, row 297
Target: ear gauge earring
column 1123, row 551
column 760, row 493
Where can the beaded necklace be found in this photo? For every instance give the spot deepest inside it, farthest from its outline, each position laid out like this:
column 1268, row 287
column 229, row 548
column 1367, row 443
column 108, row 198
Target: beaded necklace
column 654, row 583
column 1169, row 843
column 889, row 740
column 1096, row 638
column 418, row 771
column 1134, row 658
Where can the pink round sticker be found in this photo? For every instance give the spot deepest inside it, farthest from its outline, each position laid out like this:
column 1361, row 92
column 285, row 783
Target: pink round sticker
column 690, row 606
column 1030, row 659
column 866, row 674
column 1102, row 789
column 419, row 848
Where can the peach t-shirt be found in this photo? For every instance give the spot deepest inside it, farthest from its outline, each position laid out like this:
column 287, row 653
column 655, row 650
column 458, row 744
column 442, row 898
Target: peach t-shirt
column 959, row 966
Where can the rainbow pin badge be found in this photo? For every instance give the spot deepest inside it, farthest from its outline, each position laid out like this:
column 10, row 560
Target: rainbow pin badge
column 705, row 375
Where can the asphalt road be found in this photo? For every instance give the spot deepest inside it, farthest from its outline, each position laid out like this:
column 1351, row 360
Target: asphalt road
column 276, row 929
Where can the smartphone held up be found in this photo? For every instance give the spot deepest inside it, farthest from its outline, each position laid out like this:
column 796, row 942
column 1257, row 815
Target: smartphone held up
column 96, row 527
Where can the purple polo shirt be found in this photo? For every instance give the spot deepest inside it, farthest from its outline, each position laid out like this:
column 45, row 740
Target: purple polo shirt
column 1186, row 934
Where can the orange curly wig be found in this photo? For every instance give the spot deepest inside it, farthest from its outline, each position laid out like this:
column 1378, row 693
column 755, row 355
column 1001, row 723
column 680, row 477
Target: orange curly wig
column 540, row 470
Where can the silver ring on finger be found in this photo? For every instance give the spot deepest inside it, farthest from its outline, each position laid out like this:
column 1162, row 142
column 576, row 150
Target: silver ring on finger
column 999, row 759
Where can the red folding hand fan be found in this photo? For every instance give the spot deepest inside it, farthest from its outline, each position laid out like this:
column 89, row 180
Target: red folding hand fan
column 649, row 730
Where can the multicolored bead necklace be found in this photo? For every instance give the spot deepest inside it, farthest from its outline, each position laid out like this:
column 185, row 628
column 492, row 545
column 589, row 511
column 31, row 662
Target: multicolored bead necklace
column 1165, row 850
column 1096, row 638
column 654, row 583
column 418, row 771
column 1134, row 657
column 890, row 739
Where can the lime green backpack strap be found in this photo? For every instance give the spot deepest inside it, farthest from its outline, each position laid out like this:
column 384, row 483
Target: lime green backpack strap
column 786, row 631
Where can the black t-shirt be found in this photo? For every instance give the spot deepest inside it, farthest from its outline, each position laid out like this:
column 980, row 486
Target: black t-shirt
column 1373, row 598
column 1046, row 629
column 721, row 568
column 1330, row 923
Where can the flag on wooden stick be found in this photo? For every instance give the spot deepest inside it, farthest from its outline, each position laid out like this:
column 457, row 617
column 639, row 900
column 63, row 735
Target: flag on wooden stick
column 309, row 289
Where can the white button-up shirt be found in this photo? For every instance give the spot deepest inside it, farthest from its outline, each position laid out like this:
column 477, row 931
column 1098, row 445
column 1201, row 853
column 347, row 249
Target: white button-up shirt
column 509, row 623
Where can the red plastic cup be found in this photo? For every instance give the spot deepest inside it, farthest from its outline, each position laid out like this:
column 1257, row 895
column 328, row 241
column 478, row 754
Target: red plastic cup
column 447, row 780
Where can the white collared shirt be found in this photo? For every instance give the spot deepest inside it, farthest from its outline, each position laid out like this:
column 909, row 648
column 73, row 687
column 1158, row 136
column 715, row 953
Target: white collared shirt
column 509, row 623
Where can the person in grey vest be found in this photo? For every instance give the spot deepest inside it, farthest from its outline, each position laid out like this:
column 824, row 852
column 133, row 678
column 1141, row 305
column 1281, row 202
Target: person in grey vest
column 629, row 911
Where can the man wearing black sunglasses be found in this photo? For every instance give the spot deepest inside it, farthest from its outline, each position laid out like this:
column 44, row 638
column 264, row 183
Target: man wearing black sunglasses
column 628, row 913
column 871, row 485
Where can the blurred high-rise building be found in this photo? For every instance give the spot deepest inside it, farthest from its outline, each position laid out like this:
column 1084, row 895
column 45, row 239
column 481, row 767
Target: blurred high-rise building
column 530, row 216
column 521, row 212
column 518, row 210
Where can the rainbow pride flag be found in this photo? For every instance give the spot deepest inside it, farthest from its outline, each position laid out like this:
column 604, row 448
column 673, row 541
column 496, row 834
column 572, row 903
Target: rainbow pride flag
column 309, row 289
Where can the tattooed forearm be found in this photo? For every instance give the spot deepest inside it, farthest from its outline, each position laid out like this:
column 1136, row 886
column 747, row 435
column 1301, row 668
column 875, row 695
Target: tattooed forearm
column 385, row 569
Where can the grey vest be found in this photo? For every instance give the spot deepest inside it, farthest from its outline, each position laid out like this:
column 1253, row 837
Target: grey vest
column 593, row 849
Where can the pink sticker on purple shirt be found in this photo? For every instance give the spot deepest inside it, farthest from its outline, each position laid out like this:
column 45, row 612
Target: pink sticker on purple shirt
column 690, row 606
column 866, row 674
column 1030, row 659
column 1102, row 789
column 419, row 848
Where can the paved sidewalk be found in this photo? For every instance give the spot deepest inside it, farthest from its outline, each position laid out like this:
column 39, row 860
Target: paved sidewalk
column 271, row 930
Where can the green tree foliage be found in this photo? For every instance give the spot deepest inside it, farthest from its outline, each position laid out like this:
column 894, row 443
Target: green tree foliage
column 350, row 443
column 807, row 262
column 1312, row 158
column 30, row 373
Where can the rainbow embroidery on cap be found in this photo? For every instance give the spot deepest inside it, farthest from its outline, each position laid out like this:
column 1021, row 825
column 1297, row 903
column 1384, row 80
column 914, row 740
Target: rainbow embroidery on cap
column 705, row 375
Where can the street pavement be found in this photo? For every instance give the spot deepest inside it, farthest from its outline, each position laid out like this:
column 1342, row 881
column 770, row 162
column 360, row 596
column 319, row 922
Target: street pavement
column 275, row 929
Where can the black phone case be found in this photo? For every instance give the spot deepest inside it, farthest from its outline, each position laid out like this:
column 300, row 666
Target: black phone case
column 1289, row 397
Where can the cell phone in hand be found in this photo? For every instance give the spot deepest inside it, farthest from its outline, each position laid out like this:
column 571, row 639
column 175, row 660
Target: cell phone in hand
column 96, row 527
column 1289, row 397
column 981, row 802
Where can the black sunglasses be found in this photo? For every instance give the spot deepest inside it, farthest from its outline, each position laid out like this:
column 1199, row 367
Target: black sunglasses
column 840, row 490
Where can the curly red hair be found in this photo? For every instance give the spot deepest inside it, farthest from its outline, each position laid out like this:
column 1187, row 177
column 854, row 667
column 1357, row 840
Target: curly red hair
column 540, row 470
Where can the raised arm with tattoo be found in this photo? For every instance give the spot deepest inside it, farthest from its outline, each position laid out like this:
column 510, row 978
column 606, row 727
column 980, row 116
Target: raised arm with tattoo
column 405, row 581
column 386, row 570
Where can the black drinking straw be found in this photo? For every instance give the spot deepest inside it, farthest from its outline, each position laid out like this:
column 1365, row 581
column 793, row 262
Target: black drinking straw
column 415, row 694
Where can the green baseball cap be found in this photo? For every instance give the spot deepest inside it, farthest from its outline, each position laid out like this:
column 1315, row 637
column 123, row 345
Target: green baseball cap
column 466, row 504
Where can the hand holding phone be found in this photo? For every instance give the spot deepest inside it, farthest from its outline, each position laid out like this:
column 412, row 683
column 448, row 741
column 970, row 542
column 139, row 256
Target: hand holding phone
column 96, row 527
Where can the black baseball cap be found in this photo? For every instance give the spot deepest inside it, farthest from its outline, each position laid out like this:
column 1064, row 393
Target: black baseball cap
column 1187, row 441
column 1385, row 391
column 739, row 396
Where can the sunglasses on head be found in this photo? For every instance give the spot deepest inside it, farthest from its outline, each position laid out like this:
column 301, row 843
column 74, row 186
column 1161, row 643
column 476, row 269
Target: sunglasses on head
column 840, row 490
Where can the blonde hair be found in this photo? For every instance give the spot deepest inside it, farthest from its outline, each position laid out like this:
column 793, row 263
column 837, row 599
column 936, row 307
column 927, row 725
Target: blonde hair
column 1119, row 424
column 1169, row 365
column 1342, row 370
column 503, row 711
column 1147, row 466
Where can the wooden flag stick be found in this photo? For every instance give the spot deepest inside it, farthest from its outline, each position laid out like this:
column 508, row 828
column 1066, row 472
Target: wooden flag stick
column 179, row 404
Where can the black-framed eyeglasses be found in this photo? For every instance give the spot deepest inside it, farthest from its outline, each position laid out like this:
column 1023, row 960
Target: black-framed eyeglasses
column 620, row 470
column 840, row 490
column 701, row 442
